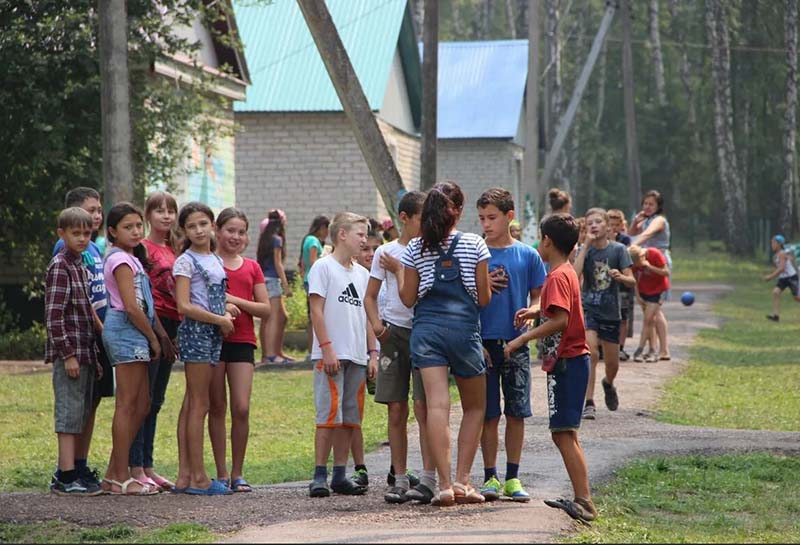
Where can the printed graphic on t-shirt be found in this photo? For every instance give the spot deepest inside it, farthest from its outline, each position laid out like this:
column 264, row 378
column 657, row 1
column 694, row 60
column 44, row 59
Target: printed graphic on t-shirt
column 350, row 296
column 602, row 276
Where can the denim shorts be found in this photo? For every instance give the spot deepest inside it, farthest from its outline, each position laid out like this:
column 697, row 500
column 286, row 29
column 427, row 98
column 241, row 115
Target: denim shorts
column 274, row 287
column 124, row 343
column 566, row 391
column 514, row 376
column 440, row 345
column 199, row 342
column 607, row 330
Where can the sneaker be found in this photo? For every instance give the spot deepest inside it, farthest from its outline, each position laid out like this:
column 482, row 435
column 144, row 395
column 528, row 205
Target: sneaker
column 513, row 489
column 75, row 488
column 371, row 384
column 420, row 493
column 651, row 357
column 319, row 489
column 396, row 495
column 360, row 477
column 623, row 356
column 589, row 412
column 491, row 489
column 611, row 397
column 413, row 479
column 637, row 355
column 348, row 487
column 773, row 317
column 89, row 477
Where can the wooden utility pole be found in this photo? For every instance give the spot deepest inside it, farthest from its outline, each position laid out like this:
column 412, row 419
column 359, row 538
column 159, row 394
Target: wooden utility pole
column 115, row 102
column 356, row 108
column 430, row 86
column 631, row 144
column 530, row 164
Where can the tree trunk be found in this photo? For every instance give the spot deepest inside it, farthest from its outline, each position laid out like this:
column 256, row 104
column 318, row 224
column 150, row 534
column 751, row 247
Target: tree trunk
column 522, row 18
column 735, row 212
column 789, row 118
column 531, row 159
column 629, row 97
column 458, row 25
column 512, row 22
column 430, row 36
column 486, row 19
column 685, row 69
column 658, row 60
column 553, row 87
column 419, row 16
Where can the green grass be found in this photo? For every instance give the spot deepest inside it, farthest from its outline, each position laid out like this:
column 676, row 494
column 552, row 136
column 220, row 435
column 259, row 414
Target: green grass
column 744, row 375
column 281, row 446
column 751, row 498
column 62, row 532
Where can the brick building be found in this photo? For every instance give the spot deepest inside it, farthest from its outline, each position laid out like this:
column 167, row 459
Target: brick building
column 296, row 150
column 481, row 119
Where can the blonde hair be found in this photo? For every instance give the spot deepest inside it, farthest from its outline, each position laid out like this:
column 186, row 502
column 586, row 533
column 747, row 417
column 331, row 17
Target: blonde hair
column 600, row 211
column 74, row 216
column 345, row 221
column 637, row 252
column 616, row 214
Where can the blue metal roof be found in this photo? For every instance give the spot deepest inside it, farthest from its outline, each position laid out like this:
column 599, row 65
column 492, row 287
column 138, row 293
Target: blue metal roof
column 286, row 69
column 481, row 88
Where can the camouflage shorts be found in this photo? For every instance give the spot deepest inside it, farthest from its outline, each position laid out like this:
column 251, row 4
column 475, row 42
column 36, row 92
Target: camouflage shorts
column 513, row 375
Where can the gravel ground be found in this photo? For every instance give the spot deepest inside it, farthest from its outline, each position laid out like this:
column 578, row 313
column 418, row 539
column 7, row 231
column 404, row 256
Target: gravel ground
column 271, row 514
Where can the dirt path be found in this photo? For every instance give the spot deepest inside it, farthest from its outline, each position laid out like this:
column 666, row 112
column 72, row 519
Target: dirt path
column 285, row 513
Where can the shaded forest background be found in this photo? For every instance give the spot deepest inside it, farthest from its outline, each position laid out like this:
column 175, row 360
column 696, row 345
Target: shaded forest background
column 726, row 167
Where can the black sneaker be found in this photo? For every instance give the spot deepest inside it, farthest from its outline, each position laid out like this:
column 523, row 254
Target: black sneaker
column 773, row 317
column 89, row 477
column 413, row 479
column 420, row 493
column 348, row 487
column 396, row 495
column 637, row 355
column 360, row 477
column 75, row 488
column 611, row 397
column 319, row 489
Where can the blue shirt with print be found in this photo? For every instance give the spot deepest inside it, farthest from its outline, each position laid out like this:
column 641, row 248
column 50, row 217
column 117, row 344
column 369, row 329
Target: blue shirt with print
column 93, row 261
column 525, row 271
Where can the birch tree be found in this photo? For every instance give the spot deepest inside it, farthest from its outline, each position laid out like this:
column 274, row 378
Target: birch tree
column 512, row 22
column 788, row 188
column 655, row 51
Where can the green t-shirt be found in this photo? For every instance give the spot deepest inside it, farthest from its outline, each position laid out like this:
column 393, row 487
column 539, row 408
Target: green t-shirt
column 309, row 242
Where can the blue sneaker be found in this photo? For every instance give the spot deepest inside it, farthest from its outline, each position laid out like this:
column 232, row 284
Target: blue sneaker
column 491, row 489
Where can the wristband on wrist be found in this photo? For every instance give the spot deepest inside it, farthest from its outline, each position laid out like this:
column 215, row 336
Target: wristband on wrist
column 371, row 350
column 326, row 343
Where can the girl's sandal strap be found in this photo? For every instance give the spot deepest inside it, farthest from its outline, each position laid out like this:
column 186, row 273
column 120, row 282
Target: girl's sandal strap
column 445, row 498
column 464, row 493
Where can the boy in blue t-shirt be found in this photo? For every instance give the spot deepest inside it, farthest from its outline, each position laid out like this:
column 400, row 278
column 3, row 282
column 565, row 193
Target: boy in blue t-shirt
column 89, row 200
column 517, row 274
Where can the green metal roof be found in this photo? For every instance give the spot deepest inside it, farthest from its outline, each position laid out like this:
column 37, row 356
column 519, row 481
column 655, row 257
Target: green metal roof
column 287, row 72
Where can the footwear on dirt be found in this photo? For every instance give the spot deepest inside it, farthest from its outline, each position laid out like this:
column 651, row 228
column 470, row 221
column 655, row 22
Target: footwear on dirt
column 360, row 477
column 348, row 487
column 491, row 489
column 610, row 394
column 396, row 495
column 319, row 489
column 420, row 493
column 637, row 355
column 623, row 356
column 513, row 489
column 75, row 488
column 580, row 509
column 413, row 478
column 589, row 412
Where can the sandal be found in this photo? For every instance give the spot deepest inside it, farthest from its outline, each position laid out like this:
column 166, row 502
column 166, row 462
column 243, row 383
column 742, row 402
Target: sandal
column 574, row 509
column 146, row 490
column 240, row 485
column 162, row 483
column 445, row 498
column 464, row 493
column 666, row 357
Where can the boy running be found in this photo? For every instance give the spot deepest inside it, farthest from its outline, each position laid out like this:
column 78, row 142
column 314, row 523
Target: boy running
column 565, row 357
column 785, row 272
column 516, row 273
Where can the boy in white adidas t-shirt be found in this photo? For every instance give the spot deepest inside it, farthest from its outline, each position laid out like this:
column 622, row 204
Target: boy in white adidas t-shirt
column 336, row 288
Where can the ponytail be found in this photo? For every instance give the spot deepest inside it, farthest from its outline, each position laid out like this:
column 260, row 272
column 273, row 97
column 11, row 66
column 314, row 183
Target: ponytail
column 440, row 213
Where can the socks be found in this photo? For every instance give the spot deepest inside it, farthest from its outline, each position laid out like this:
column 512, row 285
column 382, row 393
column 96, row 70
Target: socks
column 80, row 465
column 68, row 476
column 321, row 473
column 428, row 478
column 489, row 472
column 339, row 474
column 391, row 469
column 363, row 467
column 401, row 481
column 512, row 470
column 589, row 402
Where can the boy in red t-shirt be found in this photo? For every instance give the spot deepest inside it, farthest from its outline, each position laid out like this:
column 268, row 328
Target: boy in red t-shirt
column 565, row 356
column 652, row 283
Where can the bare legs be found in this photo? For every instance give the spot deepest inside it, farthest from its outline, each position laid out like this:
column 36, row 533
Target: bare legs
column 240, row 381
column 610, row 357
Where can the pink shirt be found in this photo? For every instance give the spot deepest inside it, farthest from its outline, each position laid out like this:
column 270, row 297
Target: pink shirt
column 113, row 261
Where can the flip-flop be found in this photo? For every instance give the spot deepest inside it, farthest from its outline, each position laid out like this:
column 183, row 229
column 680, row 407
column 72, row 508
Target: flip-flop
column 216, row 488
column 445, row 498
column 465, row 493
column 665, row 358
column 176, row 490
column 573, row 509
column 162, row 483
column 240, row 485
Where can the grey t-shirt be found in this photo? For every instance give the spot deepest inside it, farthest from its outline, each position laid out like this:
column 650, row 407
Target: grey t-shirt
column 600, row 291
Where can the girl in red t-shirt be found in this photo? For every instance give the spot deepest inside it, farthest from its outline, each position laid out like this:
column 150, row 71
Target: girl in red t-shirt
column 652, row 282
column 248, row 292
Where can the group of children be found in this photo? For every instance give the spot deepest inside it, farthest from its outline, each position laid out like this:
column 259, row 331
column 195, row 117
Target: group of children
column 433, row 301
column 117, row 322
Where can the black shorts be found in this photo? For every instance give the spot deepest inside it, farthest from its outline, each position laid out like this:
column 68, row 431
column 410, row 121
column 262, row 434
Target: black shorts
column 654, row 298
column 790, row 282
column 237, row 352
column 104, row 386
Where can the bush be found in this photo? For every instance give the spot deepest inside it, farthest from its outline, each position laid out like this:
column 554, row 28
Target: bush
column 23, row 345
column 296, row 305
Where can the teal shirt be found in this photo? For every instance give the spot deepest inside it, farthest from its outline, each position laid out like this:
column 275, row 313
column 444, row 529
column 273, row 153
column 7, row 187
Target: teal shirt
column 309, row 242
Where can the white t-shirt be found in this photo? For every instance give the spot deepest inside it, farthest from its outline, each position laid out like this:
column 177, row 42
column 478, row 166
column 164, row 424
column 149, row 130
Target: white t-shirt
column 345, row 318
column 390, row 306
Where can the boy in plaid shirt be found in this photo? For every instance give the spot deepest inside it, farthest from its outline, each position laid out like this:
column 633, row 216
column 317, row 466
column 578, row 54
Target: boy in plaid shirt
column 71, row 324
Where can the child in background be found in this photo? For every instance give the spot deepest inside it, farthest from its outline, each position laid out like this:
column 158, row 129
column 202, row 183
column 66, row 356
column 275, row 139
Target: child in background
column 342, row 342
column 786, row 273
column 247, row 291
column 270, row 255
column 88, row 199
column 72, row 349
column 517, row 274
column 129, row 335
column 160, row 213
column 515, row 229
column 616, row 227
column 390, row 233
column 310, row 251
column 652, row 282
column 391, row 322
column 604, row 266
column 200, row 292
column 565, row 357
column 446, row 275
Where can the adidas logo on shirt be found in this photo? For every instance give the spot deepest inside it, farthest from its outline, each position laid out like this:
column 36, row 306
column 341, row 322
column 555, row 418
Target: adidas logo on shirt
column 350, row 296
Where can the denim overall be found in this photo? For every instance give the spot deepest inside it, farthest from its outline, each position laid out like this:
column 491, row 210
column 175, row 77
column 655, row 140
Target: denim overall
column 446, row 327
column 201, row 342
column 122, row 340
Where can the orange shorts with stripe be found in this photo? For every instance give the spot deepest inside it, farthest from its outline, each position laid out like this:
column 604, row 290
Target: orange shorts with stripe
column 339, row 399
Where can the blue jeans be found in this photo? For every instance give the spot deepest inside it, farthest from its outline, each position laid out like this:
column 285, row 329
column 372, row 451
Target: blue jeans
column 141, row 451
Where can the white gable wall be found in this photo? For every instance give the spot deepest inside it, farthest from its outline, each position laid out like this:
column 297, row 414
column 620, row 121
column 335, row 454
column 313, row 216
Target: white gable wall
column 396, row 109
